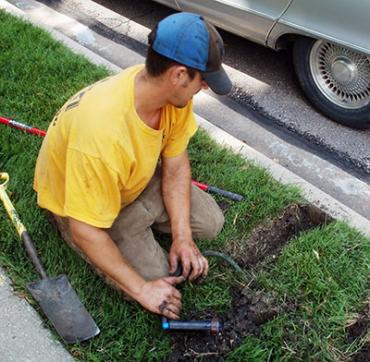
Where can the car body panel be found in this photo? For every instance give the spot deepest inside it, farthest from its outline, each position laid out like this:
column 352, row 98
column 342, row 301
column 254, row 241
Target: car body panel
column 334, row 77
column 170, row 3
column 265, row 21
column 344, row 22
column 251, row 19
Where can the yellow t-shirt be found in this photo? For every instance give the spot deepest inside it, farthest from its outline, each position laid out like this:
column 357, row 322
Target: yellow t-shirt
column 98, row 155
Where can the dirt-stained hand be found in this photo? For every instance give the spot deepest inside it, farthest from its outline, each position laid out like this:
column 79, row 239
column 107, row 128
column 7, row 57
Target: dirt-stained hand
column 160, row 296
column 186, row 252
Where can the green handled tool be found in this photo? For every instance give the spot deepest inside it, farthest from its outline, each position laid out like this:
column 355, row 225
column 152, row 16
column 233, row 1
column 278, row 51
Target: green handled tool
column 55, row 296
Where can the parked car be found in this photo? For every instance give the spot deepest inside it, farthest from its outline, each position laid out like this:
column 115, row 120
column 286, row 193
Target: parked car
column 331, row 45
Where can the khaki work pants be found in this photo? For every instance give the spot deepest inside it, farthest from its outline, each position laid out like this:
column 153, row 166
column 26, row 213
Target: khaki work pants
column 132, row 229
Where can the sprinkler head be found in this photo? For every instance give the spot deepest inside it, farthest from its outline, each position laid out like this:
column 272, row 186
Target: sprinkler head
column 213, row 326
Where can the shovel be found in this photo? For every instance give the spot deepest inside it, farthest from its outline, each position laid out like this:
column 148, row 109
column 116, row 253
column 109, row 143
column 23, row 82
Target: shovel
column 56, row 296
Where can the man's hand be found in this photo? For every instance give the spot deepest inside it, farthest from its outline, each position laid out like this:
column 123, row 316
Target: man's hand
column 187, row 253
column 176, row 187
column 160, row 296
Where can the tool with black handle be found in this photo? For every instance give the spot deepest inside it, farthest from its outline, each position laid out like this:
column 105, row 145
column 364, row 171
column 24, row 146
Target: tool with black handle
column 56, row 296
column 40, row 132
column 215, row 190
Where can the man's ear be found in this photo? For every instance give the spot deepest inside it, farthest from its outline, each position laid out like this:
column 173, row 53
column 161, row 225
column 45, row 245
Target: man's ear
column 178, row 74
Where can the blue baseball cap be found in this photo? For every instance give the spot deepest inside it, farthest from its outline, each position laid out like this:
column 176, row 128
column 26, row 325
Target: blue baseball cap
column 190, row 40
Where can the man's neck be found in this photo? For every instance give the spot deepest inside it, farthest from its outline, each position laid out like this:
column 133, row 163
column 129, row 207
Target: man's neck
column 149, row 99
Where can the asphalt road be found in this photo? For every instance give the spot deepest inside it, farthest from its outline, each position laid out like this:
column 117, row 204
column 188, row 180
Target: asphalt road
column 281, row 105
column 105, row 35
column 266, row 88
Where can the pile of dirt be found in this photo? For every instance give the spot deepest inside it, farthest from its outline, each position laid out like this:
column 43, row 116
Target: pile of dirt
column 268, row 240
column 250, row 309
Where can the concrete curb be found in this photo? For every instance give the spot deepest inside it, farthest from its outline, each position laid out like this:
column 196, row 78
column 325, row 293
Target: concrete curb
column 314, row 195
column 22, row 333
column 71, row 44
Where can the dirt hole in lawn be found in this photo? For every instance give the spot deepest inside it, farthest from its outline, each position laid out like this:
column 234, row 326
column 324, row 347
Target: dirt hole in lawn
column 251, row 308
column 359, row 328
column 266, row 241
column 363, row 354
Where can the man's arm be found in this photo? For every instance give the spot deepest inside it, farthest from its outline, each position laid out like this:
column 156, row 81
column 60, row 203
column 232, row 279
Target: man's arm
column 158, row 296
column 176, row 188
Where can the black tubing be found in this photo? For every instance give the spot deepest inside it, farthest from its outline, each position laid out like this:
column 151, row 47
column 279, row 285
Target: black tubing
column 217, row 254
column 224, row 257
column 214, row 326
column 228, row 194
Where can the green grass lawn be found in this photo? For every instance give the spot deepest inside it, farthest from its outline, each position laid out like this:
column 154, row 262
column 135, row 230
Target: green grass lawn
column 324, row 272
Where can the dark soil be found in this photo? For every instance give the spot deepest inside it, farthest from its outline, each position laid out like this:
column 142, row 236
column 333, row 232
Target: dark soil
column 250, row 309
column 359, row 329
column 268, row 240
column 363, row 355
column 224, row 205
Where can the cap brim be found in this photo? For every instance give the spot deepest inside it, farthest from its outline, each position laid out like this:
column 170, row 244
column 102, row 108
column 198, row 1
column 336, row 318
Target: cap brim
column 218, row 81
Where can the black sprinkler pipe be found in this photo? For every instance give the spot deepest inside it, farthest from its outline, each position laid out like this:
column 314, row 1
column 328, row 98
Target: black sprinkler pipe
column 213, row 326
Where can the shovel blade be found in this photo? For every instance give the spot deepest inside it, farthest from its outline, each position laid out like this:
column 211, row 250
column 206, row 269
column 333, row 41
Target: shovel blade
column 63, row 308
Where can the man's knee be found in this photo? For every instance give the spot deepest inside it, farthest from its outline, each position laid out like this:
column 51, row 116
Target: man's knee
column 210, row 225
column 207, row 219
column 217, row 225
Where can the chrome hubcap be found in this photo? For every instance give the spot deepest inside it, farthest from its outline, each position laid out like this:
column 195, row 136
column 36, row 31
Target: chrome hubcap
column 344, row 71
column 341, row 74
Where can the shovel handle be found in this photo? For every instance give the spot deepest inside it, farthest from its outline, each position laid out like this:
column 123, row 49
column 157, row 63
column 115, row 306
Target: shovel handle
column 21, row 230
column 4, row 177
column 32, row 253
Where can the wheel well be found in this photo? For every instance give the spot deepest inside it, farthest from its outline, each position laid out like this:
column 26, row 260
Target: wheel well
column 285, row 41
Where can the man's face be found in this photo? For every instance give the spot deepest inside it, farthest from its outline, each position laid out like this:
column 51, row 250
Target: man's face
column 186, row 89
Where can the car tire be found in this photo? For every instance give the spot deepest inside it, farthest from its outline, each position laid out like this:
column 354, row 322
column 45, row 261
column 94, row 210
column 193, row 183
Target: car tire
column 335, row 79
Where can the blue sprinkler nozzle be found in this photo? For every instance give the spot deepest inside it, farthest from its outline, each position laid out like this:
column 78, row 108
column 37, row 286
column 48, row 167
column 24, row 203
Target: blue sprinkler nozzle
column 214, row 326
